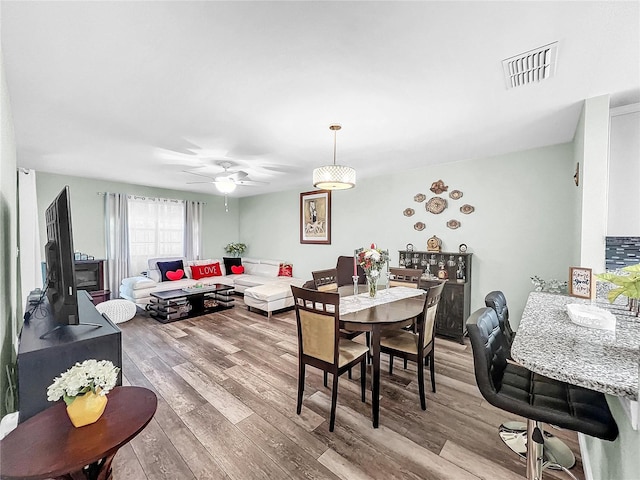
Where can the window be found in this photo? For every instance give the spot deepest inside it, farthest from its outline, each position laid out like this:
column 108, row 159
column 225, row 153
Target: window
column 156, row 229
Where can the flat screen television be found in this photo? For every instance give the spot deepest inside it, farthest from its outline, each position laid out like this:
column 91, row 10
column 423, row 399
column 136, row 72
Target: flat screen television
column 61, row 277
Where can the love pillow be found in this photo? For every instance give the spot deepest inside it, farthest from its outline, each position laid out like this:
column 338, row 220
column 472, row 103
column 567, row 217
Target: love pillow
column 203, row 271
column 177, row 275
column 237, row 269
column 175, row 267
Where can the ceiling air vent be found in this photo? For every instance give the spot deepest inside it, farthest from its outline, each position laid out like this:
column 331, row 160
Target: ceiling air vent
column 532, row 66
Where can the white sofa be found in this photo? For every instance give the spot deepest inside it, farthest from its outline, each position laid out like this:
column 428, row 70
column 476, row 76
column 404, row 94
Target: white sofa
column 260, row 284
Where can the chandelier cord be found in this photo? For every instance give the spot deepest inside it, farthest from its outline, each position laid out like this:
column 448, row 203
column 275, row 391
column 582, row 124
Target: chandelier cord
column 335, row 134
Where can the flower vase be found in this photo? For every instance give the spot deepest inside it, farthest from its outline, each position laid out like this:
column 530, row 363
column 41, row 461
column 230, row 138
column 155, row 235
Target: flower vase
column 86, row 409
column 372, row 282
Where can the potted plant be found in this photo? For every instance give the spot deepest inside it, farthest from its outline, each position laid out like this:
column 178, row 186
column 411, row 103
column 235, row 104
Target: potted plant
column 84, row 389
column 628, row 285
column 235, row 249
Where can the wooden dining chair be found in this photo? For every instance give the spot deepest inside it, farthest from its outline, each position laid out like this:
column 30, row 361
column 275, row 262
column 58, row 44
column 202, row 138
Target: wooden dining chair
column 326, row 280
column 320, row 344
column 404, row 277
column 415, row 346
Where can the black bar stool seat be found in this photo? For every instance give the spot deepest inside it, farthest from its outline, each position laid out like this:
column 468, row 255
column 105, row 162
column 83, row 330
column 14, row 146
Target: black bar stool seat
column 517, row 390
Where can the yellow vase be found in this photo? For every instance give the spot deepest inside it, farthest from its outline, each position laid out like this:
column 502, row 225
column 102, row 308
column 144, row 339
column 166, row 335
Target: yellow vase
column 86, row 409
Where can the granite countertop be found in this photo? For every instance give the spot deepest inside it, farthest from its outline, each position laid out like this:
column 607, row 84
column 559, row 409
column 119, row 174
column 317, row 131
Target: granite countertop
column 549, row 343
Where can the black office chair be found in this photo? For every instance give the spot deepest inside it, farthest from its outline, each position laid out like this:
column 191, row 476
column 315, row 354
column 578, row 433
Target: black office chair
column 514, row 388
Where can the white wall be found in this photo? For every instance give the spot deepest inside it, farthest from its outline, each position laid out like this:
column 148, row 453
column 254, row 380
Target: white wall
column 523, row 224
column 594, row 179
column 624, row 172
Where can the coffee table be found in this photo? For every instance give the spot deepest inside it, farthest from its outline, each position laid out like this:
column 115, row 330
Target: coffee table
column 172, row 305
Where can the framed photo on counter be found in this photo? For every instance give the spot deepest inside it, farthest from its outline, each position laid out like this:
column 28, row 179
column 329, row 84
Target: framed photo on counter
column 581, row 282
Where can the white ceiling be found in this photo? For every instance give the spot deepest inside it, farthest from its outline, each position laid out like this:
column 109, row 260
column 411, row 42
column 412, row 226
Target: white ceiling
column 140, row 91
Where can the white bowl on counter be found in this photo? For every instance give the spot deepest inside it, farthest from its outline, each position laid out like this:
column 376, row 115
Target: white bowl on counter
column 591, row 316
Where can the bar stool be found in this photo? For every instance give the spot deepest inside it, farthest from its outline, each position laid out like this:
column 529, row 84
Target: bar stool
column 514, row 433
column 517, row 390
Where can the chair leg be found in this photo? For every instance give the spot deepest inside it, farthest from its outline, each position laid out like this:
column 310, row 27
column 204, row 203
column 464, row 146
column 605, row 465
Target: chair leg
column 325, row 379
column 390, row 364
column 300, row 387
column 432, row 368
column 535, row 444
column 420, row 366
column 405, row 363
column 368, row 337
column 363, row 377
column 350, row 377
column 334, row 398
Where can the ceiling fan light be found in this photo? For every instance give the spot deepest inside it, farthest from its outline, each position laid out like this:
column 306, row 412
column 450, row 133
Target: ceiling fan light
column 334, row 177
column 225, row 185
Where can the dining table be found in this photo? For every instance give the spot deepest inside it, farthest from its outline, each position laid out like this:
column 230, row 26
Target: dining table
column 391, row 308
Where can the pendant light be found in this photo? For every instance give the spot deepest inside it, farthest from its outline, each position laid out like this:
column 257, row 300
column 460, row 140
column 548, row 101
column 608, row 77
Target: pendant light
column 334, row 177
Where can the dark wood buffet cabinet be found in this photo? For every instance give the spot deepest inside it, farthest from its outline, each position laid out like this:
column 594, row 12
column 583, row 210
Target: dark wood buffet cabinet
column 455, row 303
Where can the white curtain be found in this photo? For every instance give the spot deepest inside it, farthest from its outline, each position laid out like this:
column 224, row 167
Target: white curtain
column 29, row 243
column 117, row 240
column 156, row 229
column 193, row 230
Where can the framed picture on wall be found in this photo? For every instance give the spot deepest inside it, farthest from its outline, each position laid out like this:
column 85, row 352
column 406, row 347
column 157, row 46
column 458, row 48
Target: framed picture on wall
column 581, row 282
column 315, row 217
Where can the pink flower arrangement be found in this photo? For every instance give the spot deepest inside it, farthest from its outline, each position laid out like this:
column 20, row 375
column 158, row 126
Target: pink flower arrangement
column 372, row 258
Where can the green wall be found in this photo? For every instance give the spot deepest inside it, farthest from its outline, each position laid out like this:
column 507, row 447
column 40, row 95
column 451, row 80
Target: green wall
column 9, row 292
column 523, row 224
column 87, row 210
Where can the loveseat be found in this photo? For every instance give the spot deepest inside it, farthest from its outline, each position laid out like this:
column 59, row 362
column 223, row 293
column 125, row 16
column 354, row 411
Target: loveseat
column 265, row 284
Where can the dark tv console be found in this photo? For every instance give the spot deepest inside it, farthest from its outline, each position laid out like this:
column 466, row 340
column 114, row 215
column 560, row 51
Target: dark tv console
column 40, row 360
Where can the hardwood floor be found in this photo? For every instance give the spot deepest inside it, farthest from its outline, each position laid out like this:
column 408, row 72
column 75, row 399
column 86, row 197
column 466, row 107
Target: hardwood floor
column 227, row 384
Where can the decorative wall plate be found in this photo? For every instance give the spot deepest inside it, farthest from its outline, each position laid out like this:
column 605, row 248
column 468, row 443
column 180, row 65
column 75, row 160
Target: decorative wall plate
column 420, row 197
column 467, row 209
column 436, row 205
column 453, row 224
column 455, row 194
column 408, row 212
column 438, row 187
column 419, row 226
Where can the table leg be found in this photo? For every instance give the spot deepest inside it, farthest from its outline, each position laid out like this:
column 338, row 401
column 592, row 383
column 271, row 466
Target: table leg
column 100, row 470
column 375, row 378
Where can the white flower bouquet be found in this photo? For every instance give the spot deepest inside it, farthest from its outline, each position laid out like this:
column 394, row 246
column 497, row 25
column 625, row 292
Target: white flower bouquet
column 94, row 376
column 373, row 259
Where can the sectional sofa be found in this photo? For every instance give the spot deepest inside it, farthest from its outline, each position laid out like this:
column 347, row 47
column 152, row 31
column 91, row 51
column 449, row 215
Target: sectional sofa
column 265, row 284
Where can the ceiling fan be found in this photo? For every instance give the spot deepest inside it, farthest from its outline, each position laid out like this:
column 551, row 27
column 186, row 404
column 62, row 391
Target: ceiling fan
column 228, row 180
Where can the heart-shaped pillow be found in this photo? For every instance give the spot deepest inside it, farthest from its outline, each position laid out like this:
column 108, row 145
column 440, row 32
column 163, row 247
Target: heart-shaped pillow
column 177, row 275
column 237, row 269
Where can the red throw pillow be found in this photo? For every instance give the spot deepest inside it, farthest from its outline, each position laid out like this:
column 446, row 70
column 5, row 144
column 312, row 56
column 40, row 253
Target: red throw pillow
column 286, row 270
column 202, row 271
column 237, row 269
column 175, row 275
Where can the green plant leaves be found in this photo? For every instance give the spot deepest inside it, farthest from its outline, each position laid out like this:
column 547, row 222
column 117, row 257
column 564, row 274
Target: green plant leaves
column 628, row 285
